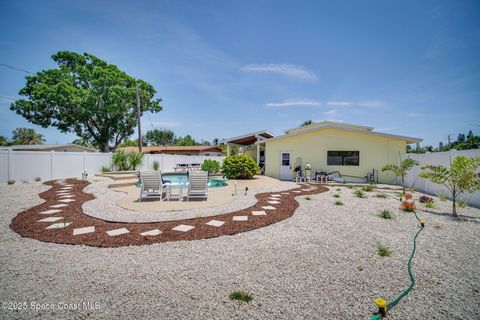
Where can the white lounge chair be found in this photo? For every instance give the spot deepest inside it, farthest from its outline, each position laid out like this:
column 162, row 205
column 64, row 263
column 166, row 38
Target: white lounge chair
column 197, row 184
column 151, row 185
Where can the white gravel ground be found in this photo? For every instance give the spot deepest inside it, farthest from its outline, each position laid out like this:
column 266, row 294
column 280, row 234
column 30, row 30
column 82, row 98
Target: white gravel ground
column 306, row 267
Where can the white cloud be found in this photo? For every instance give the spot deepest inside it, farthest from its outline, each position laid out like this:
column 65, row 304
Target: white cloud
column 328, row 119
column 339, row 103
column 373, row 104
column 413, row 114
column 293, row 103
column 331, row 113
column 290, row 70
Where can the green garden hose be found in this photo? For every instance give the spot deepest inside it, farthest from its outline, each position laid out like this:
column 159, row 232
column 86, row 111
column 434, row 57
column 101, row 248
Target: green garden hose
column 412, row 278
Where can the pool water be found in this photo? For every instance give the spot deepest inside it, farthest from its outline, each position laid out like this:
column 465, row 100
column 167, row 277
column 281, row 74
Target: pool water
column 182, row 179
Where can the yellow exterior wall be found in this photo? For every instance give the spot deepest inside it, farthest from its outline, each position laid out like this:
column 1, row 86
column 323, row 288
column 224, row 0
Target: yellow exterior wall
column 312, row 147
column 252, row 153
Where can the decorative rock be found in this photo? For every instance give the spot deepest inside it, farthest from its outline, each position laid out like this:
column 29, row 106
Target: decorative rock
column 59, row 225
column 240, row 218
column 51, row 211
column 154, row 232
column 183, row 228
column 50, row 219
column 79, row 231
column 117, row 232
column 215, row 223
column 259, row 213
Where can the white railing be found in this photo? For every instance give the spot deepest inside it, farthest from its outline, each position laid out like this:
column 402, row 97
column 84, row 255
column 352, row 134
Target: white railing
column 49, row 165
column 437, row 158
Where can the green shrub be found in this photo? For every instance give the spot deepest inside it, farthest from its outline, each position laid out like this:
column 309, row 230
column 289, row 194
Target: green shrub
column 120, row 161
column 11, row 181
column 381, row 195
column 359, row 194
column 385, row 214
column 134, row 160
column 104, row 169
column 429, row 204
column 240, row 296
column 38, row 179
column 211, row 166
column 336, row 195
column 462, row 203
column 240, row 167
column 156, row 165
column 368, row 188
column 338, row 203
column 307, row 198
column 383, row 251
column 338, row 189
column 442, row 196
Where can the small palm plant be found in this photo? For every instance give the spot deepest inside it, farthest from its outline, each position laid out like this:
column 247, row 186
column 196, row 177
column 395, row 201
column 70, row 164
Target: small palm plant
column 401, row 170
column 135, row 159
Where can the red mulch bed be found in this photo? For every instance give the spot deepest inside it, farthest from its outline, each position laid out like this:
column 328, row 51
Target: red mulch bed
column 26, row 225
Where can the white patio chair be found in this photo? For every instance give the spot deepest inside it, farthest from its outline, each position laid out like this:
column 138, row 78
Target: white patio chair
column 151, row 185
column 197, row 184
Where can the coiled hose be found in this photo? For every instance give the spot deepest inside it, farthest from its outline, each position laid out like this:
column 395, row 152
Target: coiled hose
column 412, row 278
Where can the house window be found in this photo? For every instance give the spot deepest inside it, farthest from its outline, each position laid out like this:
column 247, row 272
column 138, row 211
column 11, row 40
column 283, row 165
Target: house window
column 343, row 158
column 207, row 154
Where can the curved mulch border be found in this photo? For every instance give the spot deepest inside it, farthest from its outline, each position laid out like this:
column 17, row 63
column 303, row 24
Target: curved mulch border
column 26, row 222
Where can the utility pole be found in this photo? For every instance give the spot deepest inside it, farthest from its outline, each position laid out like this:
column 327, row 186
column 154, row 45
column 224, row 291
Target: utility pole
column 137, row 96
column 449, row 141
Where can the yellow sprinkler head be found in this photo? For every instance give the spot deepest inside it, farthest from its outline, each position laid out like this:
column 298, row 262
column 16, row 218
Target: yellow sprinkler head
column 422, row 223
column 382, row 306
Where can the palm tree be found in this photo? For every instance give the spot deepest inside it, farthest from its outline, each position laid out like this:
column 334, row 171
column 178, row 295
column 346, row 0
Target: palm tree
column 306, row 123
column 401, row 170
column 27, row 136
column 3, row 141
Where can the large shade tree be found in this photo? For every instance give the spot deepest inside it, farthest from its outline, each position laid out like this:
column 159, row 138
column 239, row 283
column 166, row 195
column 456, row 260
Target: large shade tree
column 87, row 96
column 160, row 137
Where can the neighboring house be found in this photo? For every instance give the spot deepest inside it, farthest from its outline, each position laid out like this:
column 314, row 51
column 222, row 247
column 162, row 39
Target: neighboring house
column 69, row 147
column 352, row 150
column 181, row 150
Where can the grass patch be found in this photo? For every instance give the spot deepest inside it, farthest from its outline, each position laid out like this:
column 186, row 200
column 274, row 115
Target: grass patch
column 338, row 189
column 104, row 169
column 429, row 204
column 307, row 198
column 383, row 251
column 240, row 296
column 336, row 195
column 368, row 188
column 462, row 203
column 38, row 179
column 359, row 194
column 385, row 214
column 338, row 203
column 381, row 195
column 442, row 196
column 11, row 181
column 437, row 226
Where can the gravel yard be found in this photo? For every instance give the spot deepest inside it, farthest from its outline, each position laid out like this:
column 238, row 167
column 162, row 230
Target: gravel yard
column 321, row 263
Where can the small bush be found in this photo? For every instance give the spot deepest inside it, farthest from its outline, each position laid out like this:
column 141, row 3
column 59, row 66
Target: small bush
column 381, row 195
column 336, row 195
column 338, row 203
column 425, row 199
column 359, row 194
column 338, row 189
column 211, row 166
column 442, row 196
column 120, row 161
column 429, row 204
column 11, row 181
column 240, row 167
column 307, row 198
column 134, row 160
column 38, row 179
column 104, row 169
column 383, row 251
column 462, row 203
column 368, row 188
column 385, row 214
column 408, row 206
column 240, row 296
column 156, row 165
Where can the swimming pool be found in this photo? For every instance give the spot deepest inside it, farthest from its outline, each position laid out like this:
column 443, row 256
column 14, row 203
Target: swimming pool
column 177, row 179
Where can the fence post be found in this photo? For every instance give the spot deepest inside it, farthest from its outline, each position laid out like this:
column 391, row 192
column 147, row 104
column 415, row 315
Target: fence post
column 84, row 160
column 10, row 164
column 52, row 164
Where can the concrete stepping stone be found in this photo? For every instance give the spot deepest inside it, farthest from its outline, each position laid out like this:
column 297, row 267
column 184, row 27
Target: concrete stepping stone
column 50, row 219
column 297, row 191
column 275, row 195
column 274, row 199
column 274, row 202
column 215, row 223
column 183, row 228
column 85, row 230
column 51, row 211
column 66, row 196
column 240, row 218
column 117, row 232
column 259, row 213
column 66, row 200
column 285, row 192
column 61, row 225
column 152, row 233
column 68, row 185
column 59, row 205
column 268, row 208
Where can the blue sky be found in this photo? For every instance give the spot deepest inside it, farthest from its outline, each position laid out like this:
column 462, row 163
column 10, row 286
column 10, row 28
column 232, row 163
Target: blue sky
column 224, row 68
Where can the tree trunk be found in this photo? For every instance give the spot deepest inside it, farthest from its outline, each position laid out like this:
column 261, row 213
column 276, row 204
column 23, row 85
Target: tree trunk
column 454, row 201
column 403, row 185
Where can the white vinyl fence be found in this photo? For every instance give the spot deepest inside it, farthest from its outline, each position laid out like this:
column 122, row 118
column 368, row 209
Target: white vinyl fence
column 438, row 158
column 49, row 165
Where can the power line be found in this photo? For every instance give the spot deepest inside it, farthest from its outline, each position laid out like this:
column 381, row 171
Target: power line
column 8, row 98
column 15, row 68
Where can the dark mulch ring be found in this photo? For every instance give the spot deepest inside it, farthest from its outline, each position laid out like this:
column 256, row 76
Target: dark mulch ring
column 26, row 223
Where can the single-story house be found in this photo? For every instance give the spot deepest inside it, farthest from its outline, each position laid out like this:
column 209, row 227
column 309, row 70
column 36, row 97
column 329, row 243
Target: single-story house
column 181, row 150
column 69, row 147
column 351, row 150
